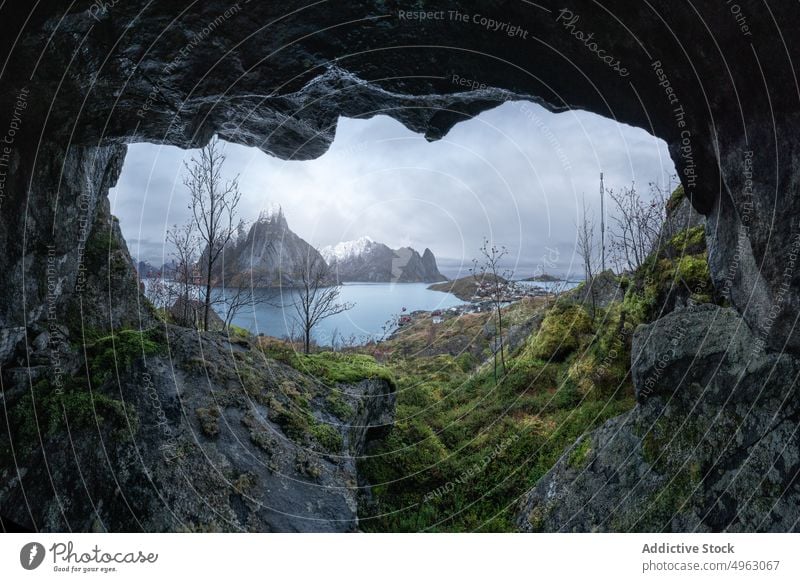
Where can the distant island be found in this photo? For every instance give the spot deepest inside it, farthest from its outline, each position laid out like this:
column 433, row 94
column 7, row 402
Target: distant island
column 465, row 288
column 543, row 278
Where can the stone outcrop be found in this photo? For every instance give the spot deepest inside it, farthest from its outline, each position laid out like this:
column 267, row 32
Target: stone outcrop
column 210, row 436
column 710, row 446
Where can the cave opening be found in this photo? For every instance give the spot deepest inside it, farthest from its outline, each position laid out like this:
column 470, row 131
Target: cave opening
column 86, row 81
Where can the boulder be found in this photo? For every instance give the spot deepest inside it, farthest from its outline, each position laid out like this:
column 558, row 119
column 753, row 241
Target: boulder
column 712, row 444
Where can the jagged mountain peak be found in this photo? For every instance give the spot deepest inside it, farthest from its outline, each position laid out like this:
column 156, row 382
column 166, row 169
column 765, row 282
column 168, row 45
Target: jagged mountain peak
column 273, row 214
column 365, row 260
column 270, row 253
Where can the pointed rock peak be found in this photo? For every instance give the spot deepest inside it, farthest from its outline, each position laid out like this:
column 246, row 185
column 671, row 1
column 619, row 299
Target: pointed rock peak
column 273, row 214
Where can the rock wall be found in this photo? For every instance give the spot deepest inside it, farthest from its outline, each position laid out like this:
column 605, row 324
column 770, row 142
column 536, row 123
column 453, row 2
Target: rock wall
column 203, row 435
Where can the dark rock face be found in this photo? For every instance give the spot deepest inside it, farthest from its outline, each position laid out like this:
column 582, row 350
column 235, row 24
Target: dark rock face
column 57, row 252
column 711, row 445
column 211, row 440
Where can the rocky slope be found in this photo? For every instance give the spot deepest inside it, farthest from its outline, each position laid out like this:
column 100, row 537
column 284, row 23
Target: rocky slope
column 270, row 254
column 711, row 445
column 365, row 260
column 203, row 433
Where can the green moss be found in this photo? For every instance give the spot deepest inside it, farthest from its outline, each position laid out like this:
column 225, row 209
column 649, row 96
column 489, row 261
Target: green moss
column 336, row 405
column 676, row 198
column 118, row 351
column 49, row 412
column 336, row 367
column 295, row 423
column 690, row 240
column 327, row 436
column 580, row 453
column 560, row 333
column 238, row 332
column 693, row 269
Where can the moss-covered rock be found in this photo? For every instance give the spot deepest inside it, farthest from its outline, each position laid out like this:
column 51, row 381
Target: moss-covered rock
column 560, row 333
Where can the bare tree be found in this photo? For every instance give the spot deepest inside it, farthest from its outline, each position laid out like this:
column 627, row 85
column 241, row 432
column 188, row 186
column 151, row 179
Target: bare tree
column 158, row 291
column 235, row 298
column 185, row 276
column 586, row 248
column 213, row 204
column 637, row 226
column 494, row 283
column 318, row 295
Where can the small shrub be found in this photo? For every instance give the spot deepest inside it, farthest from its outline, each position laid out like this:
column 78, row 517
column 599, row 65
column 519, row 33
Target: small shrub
column 209, row 420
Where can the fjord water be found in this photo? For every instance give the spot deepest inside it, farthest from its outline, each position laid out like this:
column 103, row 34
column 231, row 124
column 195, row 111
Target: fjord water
column 374, row 305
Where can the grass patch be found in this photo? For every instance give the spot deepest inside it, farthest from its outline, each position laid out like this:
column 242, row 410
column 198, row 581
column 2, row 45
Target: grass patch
column 331, row 367
column 463, row 446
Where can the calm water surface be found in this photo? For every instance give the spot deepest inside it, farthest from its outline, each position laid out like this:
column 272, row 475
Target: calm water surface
column 375, row 305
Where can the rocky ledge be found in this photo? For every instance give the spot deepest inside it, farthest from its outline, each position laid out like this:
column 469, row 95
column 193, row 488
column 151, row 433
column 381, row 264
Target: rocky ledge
column 203, row 433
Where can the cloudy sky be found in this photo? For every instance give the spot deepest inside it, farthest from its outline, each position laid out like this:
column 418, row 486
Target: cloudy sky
column 515, row 174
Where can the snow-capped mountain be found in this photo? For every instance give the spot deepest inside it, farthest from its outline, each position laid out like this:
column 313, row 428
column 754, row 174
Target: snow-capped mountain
column 364, row 260
column 346, row 250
